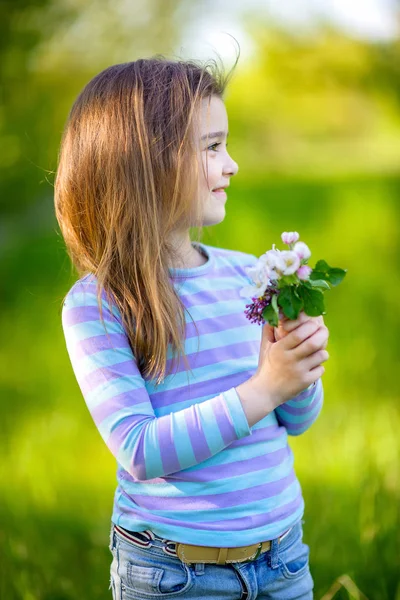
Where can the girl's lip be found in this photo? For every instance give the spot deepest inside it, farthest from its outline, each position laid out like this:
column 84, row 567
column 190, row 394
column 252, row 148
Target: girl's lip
column 221, row 193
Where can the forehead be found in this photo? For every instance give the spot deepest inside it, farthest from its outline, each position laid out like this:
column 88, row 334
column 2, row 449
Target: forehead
column 212, row 115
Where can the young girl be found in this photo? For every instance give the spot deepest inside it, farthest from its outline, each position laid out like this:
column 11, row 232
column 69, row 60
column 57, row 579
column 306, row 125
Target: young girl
column 195, row 402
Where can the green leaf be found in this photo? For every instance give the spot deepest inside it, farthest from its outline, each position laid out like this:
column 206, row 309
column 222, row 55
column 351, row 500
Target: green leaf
column 322, row 265
column 269, row 314
column 336, row 276
column 288, row 280
column 320, row 283
column 290, row 302
column 318, row 275
column 323, row 272
column 313, row 301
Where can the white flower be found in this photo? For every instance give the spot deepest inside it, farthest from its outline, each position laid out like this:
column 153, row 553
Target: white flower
column 273, row 260
column 291, row 262
column 259, row 275
column 289, row 237
column 302, row 250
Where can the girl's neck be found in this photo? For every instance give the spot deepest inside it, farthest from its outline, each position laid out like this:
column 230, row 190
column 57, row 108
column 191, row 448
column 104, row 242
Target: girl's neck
column 189, row 256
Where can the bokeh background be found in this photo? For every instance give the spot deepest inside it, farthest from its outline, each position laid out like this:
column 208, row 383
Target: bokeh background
column 314, row 119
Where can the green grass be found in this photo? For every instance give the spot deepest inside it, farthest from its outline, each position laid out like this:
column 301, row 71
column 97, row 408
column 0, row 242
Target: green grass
column 58, row 478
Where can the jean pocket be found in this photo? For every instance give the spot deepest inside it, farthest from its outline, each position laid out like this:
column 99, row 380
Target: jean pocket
column 295, row 563
column 146, row 574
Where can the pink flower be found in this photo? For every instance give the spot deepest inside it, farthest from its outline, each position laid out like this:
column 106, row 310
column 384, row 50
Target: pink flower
column 289, row 237
column 303, row 272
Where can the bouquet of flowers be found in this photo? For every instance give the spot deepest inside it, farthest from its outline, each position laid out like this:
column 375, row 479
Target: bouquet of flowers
column 283, row 279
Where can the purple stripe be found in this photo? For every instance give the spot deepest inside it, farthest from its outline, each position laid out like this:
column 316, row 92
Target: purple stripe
column 225, row 500
column 305, row 394
column 116, row 403
column 138, row 461
column 241, row 524
column 263, row 434
column 98, row 343
column 224, row 420
column 84, row 314
column 304, row 424
column 293, row 410
column 216, row 324
column 228, row 270
column 210, row 297
column 169, row 456
column 224, row 471
column 121, row 432
column 104, row 374
column 220, row 354
column 210, row 501
column 209, row 387
column 280, row 513
column 196, row 434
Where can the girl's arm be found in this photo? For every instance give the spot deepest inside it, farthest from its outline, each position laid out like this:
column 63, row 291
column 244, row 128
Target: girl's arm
column 106, row 370
column 299, row 413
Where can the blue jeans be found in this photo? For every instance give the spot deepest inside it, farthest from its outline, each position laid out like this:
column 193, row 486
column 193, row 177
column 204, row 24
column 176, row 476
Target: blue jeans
column 281, row 573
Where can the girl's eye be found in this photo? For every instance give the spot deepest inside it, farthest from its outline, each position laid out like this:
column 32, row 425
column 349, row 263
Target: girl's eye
column 212, row 146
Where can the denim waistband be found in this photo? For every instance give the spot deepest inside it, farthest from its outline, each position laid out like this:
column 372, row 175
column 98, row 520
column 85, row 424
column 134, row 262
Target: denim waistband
column 147, row 538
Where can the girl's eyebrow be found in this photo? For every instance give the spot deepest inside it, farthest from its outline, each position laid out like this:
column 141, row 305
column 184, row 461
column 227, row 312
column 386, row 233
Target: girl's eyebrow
column 214, row 134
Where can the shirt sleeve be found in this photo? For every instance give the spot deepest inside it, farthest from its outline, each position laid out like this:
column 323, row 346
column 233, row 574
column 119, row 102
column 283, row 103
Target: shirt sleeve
column 107, row 373
column 299, row 413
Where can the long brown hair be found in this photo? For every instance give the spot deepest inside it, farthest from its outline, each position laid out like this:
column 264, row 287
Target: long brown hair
column 127, row 177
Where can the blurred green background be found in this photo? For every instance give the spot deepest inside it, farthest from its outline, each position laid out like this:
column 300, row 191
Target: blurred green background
column 314, row 119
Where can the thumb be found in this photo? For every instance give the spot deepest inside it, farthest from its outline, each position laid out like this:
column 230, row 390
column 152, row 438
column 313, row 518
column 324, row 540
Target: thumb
column 268, row 334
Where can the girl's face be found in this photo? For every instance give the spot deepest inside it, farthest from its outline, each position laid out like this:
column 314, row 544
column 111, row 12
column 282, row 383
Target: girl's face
column 216, row 166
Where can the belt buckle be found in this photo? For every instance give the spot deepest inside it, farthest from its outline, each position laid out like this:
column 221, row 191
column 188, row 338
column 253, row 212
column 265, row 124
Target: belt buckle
column 256, row 556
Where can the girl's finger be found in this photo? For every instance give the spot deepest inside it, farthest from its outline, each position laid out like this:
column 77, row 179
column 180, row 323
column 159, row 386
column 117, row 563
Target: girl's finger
column 288, row 325
column 313, row 343
column 299, row 336
column 314, row 360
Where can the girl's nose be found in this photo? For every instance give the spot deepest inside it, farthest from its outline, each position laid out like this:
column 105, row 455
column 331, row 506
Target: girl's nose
column 231, row 168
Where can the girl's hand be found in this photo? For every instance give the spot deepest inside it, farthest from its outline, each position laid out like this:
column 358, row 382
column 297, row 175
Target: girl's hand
column 286, row 325
column 290, row 365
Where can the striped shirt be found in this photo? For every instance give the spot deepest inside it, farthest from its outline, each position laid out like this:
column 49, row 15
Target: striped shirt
column 189, row 467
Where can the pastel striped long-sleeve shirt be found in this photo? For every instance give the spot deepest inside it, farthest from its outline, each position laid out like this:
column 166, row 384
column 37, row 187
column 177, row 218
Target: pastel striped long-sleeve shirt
column 189, row 467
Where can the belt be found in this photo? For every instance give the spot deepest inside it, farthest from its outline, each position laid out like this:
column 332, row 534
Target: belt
column 189, row 553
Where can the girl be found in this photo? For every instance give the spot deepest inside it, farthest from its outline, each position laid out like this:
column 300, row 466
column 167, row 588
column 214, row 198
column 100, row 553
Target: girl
column 197, row 411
